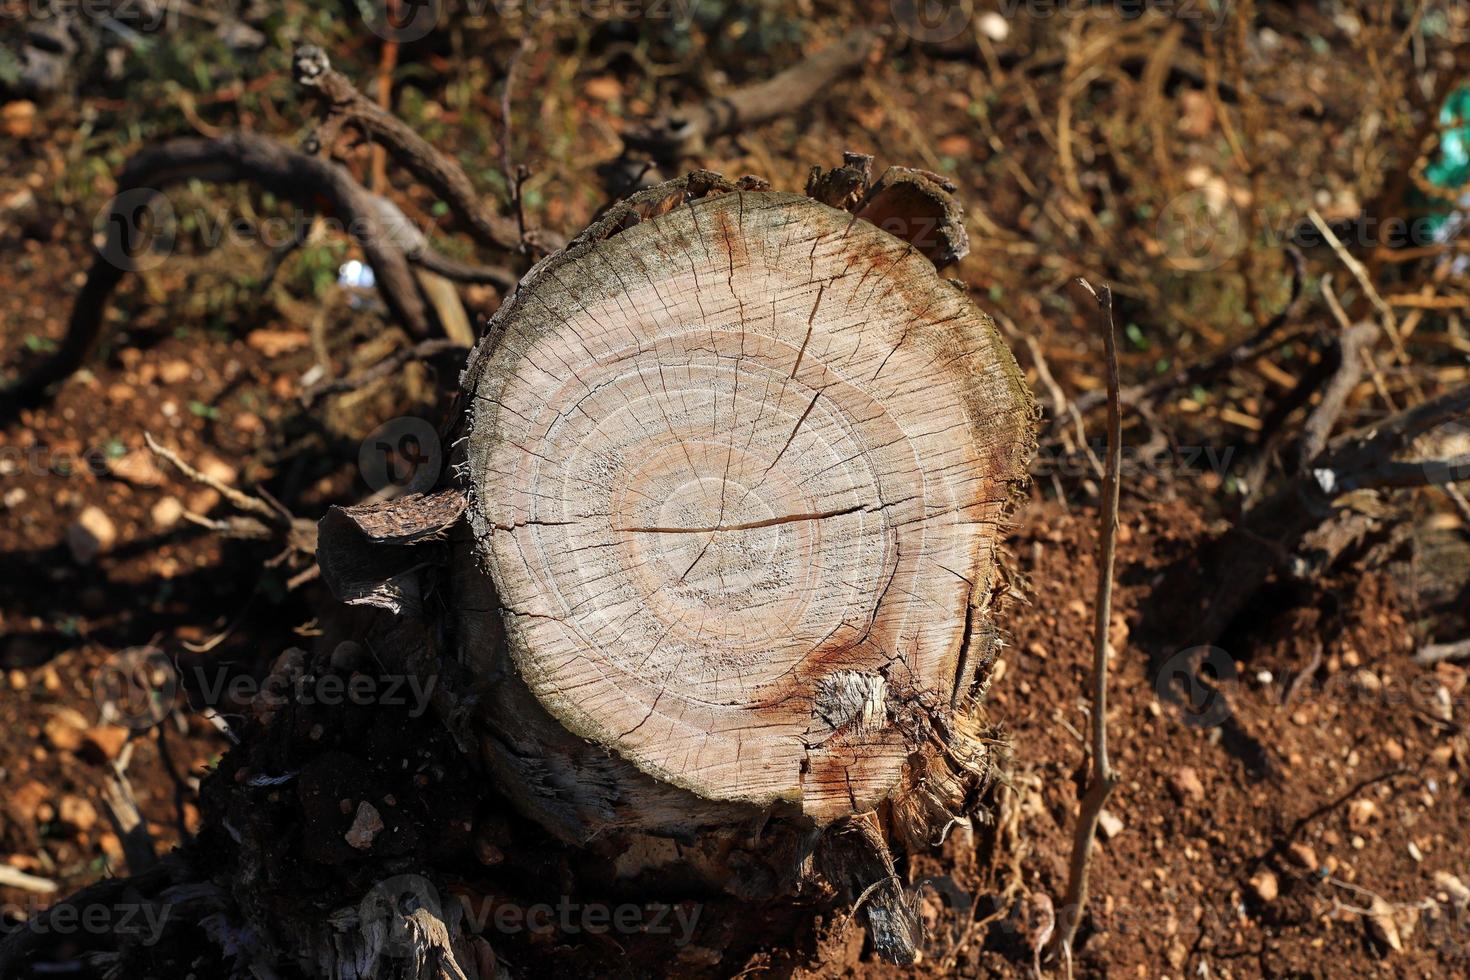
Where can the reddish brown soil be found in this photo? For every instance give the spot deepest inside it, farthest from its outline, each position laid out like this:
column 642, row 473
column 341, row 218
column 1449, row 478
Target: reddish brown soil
column 1350, row 759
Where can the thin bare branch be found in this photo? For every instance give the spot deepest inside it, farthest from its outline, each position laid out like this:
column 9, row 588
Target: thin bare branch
column 1104, row 779
column 346, row 106
column 683, row 132
column 1318, row 427
column 238, row 499
column 1435, row 653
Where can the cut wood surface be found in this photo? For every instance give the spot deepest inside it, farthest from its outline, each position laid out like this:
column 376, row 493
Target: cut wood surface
column 737, row 473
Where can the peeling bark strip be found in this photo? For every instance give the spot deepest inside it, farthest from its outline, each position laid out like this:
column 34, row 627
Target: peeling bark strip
column 736, row 465
column 366, row 552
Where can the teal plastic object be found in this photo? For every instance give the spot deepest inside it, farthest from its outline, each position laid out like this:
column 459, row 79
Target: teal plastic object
column 1450, row 168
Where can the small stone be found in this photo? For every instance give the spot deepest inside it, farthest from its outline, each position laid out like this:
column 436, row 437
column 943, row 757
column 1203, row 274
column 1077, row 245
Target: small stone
column 1302, row 855
column 1443, row 704
column 202, row 500
column 1265, row 886
column 217, row 469
column 995, row 27
column 273, row 343
column 1185, row 783
column 1109, row 824
column 26, row 801
column 112, row 847
column 1382, row 925
column 14, row 497
column 18, row 680
column 105, row 742
column 1394, row 749
column 64, row 729
column 1456, row 890
column 18, row 118
column 174, row 372
column 78, row 813
column 28, row 863
column 1361, row 813
column 92, row 533
column 604, row 88
column 166, row 513
column 365, row 826
column 138, row 468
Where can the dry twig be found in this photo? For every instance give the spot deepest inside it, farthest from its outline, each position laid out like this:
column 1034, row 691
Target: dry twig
column 1103, row 777
column 346, row 106
column 683, row 132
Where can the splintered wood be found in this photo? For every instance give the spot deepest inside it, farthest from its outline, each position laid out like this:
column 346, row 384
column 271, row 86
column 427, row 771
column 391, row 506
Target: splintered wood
column 736, row 474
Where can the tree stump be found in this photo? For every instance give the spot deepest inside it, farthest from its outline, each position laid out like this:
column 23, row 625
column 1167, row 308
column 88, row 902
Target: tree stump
column 737, row 464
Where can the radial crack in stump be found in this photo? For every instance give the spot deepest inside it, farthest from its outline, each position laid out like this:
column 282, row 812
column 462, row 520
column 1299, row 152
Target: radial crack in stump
column 737, row 473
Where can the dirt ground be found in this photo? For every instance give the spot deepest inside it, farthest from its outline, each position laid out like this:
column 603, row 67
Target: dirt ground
column 1302, row 816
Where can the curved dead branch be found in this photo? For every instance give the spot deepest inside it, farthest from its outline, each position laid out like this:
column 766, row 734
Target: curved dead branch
column 683, row 132
column 346, row 106
column 1365, row 458
column 389, row 241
